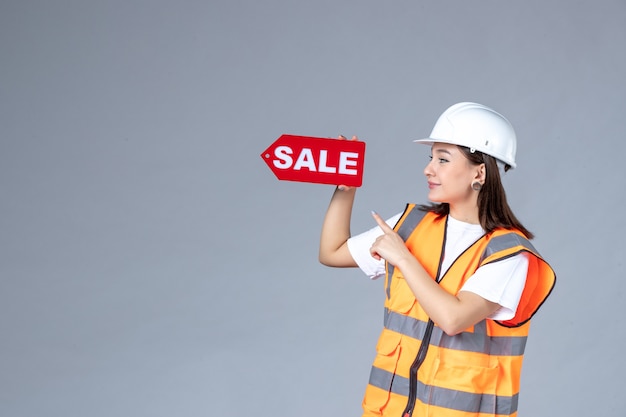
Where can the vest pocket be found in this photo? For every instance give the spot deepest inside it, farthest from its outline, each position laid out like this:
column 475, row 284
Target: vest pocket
column 402, row 298
column 388, row 343
column 378, row 392
column 462, row 386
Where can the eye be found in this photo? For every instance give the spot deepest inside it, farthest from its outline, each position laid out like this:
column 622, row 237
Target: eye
column 440, row 160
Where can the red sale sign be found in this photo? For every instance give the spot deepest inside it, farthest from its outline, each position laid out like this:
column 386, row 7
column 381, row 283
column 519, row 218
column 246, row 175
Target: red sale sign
column 316, row 160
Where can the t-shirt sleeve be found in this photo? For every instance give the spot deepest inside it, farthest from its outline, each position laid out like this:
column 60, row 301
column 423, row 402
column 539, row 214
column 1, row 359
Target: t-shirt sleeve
column 501, row 282
column 359, row 247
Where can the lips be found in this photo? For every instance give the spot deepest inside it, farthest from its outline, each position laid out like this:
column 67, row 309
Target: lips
column 432, row 185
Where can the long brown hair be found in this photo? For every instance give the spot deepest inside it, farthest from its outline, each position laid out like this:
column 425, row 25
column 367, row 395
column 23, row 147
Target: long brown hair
column 493, row 208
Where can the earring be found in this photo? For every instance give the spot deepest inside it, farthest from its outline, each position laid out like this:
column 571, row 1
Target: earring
column 476, row 186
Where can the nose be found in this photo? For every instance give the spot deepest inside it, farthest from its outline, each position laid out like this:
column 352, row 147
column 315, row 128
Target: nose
column 428, row 169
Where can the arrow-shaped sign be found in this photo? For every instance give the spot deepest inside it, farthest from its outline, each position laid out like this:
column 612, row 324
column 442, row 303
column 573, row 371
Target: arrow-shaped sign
column 316, row 160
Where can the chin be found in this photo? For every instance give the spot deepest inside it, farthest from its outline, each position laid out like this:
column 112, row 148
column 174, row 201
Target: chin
column 435, row 199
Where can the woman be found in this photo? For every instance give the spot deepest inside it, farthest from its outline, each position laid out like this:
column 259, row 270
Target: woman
column 461, row 278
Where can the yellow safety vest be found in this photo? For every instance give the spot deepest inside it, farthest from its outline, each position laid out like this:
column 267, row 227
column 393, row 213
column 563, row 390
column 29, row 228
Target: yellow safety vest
column 421, row 371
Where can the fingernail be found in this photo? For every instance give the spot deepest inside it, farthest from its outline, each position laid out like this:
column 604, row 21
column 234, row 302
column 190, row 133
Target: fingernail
column 340, row 188
column 374, row 213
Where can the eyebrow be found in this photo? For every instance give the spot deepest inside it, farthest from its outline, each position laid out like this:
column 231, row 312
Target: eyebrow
column 443, row 151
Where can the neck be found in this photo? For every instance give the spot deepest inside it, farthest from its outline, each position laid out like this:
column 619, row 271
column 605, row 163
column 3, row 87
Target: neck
column 465, row 214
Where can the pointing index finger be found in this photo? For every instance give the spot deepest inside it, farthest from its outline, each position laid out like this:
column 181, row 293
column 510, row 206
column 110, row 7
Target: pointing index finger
column 381, row 223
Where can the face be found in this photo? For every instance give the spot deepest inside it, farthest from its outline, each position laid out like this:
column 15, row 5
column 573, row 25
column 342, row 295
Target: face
column 450, row 176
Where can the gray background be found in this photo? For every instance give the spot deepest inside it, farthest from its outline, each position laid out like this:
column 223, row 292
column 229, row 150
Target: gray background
column 152, row 265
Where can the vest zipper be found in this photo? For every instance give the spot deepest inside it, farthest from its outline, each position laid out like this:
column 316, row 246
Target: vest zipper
column 419, row 359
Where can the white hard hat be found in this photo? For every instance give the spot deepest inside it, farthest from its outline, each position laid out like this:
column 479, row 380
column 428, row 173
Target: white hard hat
column 477, row 127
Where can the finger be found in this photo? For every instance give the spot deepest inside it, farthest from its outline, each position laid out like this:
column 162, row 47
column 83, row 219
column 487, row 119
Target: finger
column 374, row 253
column 342, row 137
column 381, row 223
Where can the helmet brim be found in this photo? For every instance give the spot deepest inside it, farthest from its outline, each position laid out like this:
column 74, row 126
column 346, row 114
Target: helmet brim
column 430, row 141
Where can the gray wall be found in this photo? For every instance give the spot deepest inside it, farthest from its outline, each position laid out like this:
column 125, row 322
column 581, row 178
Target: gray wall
column 151, row 264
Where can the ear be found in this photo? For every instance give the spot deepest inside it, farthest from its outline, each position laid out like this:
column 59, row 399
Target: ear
column 481, row 173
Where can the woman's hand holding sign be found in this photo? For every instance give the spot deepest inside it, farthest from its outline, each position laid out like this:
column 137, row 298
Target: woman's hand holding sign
column 343, row 187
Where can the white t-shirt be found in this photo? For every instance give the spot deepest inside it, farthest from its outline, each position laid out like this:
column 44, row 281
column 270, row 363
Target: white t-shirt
column 500, row 282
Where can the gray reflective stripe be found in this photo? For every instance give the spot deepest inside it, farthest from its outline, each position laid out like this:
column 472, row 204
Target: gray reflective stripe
column 406, row 228
column 477, row 341
column 410, row 222
column 444, row 397
column 405, row 325
column 507, row 241
column 389, row 382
